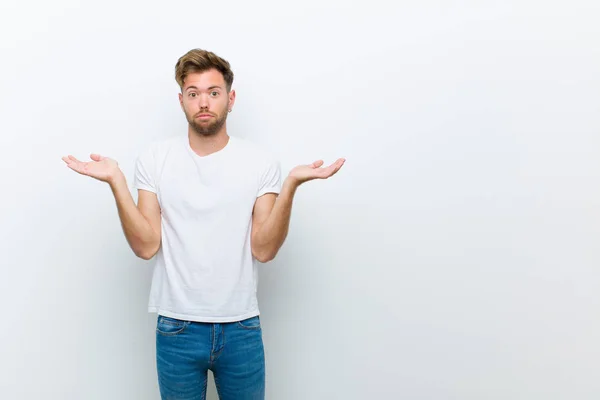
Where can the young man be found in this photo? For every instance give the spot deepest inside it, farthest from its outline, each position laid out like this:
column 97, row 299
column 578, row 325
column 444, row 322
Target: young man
column 209, row 207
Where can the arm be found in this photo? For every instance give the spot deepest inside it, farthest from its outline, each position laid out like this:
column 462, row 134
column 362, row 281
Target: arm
column 271, row 221
column 141, row 223
column 272, row 213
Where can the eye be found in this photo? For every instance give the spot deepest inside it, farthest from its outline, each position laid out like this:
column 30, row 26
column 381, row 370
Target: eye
column 192, row 94
column 214, row 93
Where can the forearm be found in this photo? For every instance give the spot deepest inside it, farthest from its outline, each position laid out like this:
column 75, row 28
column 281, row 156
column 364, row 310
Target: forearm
column 142, row 239
column 272, row 233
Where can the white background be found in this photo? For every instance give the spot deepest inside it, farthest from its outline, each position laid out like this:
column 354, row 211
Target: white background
column 455, row 256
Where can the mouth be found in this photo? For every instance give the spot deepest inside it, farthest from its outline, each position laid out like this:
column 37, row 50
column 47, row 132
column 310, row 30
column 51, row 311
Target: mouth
column 204, row 116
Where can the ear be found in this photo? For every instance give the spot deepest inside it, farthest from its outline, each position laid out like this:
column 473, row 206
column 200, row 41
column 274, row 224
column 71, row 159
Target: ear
column 231, row 98
column 181, row 100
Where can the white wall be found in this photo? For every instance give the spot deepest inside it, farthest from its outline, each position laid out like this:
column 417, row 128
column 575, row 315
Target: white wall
column 455, row 256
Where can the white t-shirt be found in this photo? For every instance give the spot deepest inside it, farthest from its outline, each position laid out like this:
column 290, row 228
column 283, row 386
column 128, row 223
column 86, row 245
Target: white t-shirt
column 204, row 268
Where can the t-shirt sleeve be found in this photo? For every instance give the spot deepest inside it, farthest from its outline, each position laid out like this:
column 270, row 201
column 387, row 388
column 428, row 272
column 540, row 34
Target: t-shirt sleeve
column 270, row 181
column 144, row 174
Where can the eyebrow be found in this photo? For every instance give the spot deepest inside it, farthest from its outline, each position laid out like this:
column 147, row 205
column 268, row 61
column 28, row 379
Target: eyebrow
column 212, row 87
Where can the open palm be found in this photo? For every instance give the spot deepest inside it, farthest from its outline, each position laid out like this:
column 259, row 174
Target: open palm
column 101, row 168
column 304, row 173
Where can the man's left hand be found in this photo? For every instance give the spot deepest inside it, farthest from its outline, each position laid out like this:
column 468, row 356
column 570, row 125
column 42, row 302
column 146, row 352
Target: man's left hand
column 305, row 173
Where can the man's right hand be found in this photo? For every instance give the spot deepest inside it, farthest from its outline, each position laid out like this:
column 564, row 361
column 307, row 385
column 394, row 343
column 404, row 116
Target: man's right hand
column 104, row 169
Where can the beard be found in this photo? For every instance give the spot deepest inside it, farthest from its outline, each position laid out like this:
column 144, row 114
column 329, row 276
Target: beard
column 210, row 127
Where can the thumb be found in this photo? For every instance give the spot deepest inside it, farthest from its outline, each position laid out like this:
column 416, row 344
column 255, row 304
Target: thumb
column 317, row 164
column 96, row 157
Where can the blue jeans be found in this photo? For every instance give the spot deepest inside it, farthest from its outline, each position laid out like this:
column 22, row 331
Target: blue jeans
column 233, row 351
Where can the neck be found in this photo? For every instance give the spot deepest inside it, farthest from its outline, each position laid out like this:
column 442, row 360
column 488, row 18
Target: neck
column 205, row 145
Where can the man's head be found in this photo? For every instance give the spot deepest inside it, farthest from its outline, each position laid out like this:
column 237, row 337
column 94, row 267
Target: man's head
column 206, row 97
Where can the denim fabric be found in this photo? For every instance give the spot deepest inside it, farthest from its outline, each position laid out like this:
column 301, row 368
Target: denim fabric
column 233, row 351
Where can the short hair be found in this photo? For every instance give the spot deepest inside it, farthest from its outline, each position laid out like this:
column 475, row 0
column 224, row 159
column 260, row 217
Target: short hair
column 198, row 60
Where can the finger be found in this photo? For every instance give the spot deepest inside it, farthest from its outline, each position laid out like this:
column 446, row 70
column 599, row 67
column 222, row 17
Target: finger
column 338, row 164
column 335, row 171
column 335, row 166
column 332, row 169
column 96, row 157
column 325, row 173
column 73, row 158
column 70, row 160
column 75, row 167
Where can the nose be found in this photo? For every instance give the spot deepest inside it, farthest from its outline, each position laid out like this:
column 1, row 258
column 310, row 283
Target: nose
column 203, row 102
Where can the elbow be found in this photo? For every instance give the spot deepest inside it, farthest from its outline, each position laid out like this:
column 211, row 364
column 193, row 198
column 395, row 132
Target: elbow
column 144, row 256
column 146, row 253
column 264, row 259
column 264, row 256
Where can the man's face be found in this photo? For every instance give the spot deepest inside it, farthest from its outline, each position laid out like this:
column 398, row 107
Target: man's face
column 205, row 101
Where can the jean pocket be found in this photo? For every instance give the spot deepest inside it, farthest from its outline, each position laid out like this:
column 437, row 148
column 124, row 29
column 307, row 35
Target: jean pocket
column 250, row 323
column 167, row 326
